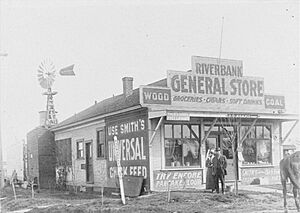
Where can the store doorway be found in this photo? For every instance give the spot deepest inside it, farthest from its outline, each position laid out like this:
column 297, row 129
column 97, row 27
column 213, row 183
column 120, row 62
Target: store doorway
column 226, row 149
column 222, row 141
column 89, row 163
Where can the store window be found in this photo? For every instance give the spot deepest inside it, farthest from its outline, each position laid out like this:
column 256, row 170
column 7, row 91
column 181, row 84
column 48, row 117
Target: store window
column 100, row 143
column 257, row 146
column 79, row 149
column 182, row 147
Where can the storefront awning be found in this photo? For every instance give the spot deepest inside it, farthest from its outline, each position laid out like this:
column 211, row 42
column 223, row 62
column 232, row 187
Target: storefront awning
column 276, row 116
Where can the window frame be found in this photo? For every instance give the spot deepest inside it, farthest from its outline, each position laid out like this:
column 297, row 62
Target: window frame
column 191, row 137
column 257, row 140
column 102, row 150
column 81, row 150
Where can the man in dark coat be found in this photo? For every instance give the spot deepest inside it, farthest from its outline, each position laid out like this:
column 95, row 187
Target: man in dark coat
column 219, row 169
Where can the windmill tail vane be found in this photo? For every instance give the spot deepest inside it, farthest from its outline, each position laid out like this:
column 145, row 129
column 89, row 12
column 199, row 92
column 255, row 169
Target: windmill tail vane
column 67, row 71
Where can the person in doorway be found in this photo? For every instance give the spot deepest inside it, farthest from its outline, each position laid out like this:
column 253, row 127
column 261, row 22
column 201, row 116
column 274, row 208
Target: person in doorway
column 219, row 169
column 210, row 182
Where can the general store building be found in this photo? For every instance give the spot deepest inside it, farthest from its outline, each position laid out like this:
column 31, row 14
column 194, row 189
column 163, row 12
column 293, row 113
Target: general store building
column 164, row 129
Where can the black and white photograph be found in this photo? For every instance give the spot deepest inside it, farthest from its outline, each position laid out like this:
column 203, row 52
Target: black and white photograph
column 175, row 106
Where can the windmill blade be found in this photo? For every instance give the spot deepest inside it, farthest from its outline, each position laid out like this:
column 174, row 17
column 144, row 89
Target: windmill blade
column 46, row 73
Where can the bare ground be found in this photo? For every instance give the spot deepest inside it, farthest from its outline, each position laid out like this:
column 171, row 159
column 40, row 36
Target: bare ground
column 187, row 201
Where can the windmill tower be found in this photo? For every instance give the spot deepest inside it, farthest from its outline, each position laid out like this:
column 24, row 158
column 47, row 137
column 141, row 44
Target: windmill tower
column 46, row 77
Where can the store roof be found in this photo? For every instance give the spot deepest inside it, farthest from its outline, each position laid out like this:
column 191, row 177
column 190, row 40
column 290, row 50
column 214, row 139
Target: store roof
column 108, row 105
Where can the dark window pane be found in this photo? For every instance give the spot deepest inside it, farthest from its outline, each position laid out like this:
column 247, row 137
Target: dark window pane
column 249, row 151
column 169, row 151
column 100, row 143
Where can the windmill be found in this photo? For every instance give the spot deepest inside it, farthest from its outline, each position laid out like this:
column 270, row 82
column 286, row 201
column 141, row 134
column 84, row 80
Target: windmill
column 46, row 77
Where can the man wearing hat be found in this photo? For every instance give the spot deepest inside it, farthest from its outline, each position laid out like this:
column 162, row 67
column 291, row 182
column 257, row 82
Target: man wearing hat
column 219, row 169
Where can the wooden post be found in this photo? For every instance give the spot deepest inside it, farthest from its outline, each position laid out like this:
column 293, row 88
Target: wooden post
column 32, row 190
column 169, row 193
column 102, row 189
column 13, row 184
column 235, row 156
column 14, row 190
column 118, row 158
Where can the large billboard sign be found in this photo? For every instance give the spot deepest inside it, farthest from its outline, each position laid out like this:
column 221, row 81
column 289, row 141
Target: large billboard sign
column 213, row 84
column 213, row 92
column 131, row 133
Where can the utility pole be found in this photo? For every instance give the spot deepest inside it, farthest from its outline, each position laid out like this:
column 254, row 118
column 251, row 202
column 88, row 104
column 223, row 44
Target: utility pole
column 1, row 150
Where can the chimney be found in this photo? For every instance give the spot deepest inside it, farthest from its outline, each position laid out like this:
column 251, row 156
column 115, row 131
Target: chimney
column 43, row 115
column 127, row 86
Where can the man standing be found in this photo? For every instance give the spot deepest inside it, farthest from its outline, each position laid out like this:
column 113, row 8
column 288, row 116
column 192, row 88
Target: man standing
column 219, row 169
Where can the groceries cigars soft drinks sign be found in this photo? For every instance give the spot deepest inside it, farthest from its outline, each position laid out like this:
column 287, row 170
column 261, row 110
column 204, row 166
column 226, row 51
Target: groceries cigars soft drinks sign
column 216, row 86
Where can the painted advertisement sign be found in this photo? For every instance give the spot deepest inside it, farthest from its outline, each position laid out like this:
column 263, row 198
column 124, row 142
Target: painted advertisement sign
column 267, row 175
column 177, row 179
column 132, row 135
column 151, row 95
column 216, row 93
column 274, row 102
column 217, row 67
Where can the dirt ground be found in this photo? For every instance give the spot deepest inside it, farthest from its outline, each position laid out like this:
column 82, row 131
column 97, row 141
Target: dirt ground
column 187, row 201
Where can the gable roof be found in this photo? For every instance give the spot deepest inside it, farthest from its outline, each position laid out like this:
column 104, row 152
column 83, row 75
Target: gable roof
column 108, row 105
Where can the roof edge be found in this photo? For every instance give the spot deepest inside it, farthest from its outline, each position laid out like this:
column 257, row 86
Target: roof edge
column 82, row 122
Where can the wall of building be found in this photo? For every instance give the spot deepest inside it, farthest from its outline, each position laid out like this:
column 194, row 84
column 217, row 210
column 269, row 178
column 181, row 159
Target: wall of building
column 269, row 174
column 46, row 159
column 156, row 157
column 86, row 133
column 32, row 149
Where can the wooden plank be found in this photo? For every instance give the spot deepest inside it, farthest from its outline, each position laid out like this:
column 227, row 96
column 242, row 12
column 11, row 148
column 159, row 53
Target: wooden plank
column 209, row 130
column 193, row 133
column 157, row 127
column 246, row 134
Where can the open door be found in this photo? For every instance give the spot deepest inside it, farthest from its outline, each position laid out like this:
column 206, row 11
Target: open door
column 89, row 163
column 226, row 149
column 222, row 141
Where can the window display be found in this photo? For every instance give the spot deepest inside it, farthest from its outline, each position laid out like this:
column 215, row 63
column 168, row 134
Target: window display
column 257, row 147
column 182, row 148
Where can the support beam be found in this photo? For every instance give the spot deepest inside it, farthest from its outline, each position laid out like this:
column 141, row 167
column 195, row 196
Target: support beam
column 246, row 134
column 290, row 131
column 193, row 133
column 156, row 128
column 209, row 130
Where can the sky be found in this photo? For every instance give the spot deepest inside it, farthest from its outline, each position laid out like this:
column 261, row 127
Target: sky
column 107, row 40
